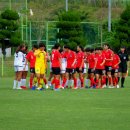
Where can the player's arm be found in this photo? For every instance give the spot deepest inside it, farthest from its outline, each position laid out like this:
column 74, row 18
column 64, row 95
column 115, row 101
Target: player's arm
column 95, row 63
column 119, row 61
column 103, row 62
column 82, row 62
column 60, row 60
column 74, row 60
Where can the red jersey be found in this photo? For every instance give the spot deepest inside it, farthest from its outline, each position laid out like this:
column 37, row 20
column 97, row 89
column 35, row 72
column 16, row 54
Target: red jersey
column 70, row 57
column 31, row 58
column 115, row 61
column 91, row 60
column 108, row 55
column 55, row 56
column 80, row 58
column 100, row 58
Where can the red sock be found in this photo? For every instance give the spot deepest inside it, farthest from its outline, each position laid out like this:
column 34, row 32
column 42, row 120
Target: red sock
column 104, row 80
column 64, row 81
column 57, row 83
column 75, row 82
column 82, row 82
column 97, row 81
column 45, row 81
column 31, row 82
column 53, row 81
column 113, row 80
column 110, row 80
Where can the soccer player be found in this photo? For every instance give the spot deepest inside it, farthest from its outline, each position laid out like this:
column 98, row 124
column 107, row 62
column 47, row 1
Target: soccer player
column 18, row 66
column 31, row 58
column 80, row 64
column 92, row 65
column 40, row 65
column 100, row 68
column 56, row 67
column 63, row 68
column 123, row 66
column 25, row 69
column 87, row 53
column 71, row 67
column 115, row 69
column 108, row 63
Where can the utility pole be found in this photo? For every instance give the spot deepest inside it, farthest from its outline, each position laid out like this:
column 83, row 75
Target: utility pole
column 109, row 15
column 66, row 7
column 10, row 6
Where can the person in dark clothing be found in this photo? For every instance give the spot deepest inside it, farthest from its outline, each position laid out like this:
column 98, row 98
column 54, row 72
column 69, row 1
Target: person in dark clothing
column 123, row 66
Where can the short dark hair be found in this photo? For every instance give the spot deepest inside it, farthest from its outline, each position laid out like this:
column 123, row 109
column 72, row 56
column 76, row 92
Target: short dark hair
column 81, row 47
column 66, row 47
column 41, row 45
column 35, row 46
column 57, row 45
column 98, row 48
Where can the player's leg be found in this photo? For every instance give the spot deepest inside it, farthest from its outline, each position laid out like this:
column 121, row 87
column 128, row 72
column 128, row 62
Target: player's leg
column 103, row 79
column 23, row 80
column 97, row 78
column 32, row 75
column 92, row 81
column 109, row 76
column 75, row 79
column 124, row 73
column 15, row 78
column 20, row 71
column 81, row 78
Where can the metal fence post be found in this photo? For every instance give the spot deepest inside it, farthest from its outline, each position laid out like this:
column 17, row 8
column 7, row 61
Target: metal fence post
column 47, row 35
column 2, row 71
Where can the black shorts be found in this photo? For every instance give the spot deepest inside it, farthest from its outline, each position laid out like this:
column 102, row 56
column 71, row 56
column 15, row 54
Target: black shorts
column 100, row 71
column 56, row 70
column 123, row 69
column 80, row 71
column 114, row 71
column 108, row 68
column 32, row 70
column 91, row 71
column 70, row 71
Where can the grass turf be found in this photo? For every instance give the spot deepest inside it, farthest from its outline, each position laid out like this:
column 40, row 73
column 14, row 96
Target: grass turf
column 106, row 109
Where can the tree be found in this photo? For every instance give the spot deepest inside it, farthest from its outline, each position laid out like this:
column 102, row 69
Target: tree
column 123, row 29
column 9, row 35
column 70, row 30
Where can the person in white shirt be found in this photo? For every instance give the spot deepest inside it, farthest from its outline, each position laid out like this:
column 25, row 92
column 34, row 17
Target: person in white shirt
column 18, row 66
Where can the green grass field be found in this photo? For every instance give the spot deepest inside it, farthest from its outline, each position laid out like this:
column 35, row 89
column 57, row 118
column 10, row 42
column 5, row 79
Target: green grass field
column 106, row 109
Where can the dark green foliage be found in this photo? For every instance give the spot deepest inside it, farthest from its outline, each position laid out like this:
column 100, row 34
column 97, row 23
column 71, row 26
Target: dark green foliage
column 9, row 29
column 70, row 29
column 123, row 29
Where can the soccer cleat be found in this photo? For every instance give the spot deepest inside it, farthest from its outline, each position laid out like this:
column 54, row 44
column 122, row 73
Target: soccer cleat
column 117, row 86
column 24, row 87
column 19, row 88
column 57, row 89
column 75, row 88
column 14, row 88
column 39, row 88
column 51, row 87
column 94, row 86
column 33, row 87
column 47, row 86
column 104, row 86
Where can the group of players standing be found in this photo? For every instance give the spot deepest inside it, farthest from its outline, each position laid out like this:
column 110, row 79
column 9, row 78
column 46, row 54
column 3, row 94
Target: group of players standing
column 68, row 67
